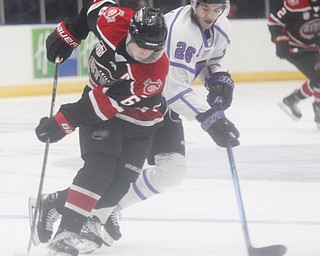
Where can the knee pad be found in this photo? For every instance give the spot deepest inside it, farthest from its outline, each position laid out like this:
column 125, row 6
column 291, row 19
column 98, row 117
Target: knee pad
column 168, row 172
column 96, row 173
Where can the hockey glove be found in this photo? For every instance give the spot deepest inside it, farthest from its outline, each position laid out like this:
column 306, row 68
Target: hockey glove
column 62, row 41
column 220, row 86
column 54, row 128
column 221, row 130
column 282, row 49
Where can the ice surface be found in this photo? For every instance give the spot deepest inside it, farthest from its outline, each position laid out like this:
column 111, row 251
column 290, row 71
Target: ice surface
column 278, row 165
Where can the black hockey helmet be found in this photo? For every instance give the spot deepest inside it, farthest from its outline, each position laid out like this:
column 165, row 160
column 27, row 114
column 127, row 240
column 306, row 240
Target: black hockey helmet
column 148, row 28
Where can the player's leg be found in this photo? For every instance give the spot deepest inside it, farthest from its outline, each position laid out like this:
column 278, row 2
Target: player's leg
column 166, row 163
column 316, row 103
column 305, row 62
column 129, row 167
column 87, row 187
column 167, row 170
column 290, row 103
column 100, row 158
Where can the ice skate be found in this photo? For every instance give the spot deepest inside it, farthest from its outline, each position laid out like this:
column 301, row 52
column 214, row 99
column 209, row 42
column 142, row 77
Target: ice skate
column 90, row 236
column 316, row 108
column 111, row 229
column 64, row 244
column 289, row 106
column 46, row 217
column 94, row 234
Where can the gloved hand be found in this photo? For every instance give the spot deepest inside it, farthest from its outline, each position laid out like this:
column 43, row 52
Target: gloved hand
column 282, row 49
column 221, row 130
column 55, row 128
column 62, row 41
column 220, row 86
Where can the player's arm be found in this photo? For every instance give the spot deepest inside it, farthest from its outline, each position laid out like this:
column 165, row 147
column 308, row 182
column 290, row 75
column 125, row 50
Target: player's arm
column 277, row 27
column 97, row 105
column 93, row 107
column 68, row 34
column 182, row 99
column 218, row 82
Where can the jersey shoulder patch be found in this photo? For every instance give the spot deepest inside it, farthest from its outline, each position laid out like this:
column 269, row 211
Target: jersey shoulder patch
column 113, row 23
column 297, row 5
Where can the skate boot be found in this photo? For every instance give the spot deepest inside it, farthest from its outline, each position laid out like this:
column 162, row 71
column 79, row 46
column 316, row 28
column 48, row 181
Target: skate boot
column 64, row 244
column 111, row 229
column 94, row 234
column 290, row 106
column 46, row 217
column 316, row 108
column 90, row 236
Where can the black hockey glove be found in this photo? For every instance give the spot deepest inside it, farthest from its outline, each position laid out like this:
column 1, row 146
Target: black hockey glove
column 220, row 86
column 62, row 41
column 282, row 49
column 221, row 130
column 54, row 128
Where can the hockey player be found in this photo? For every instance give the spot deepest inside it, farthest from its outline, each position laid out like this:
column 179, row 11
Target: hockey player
column 295, row 30
column 197, row 41
column 118, row 112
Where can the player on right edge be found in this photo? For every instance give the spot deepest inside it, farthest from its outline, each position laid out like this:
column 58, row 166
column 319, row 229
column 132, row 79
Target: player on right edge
column 295, row 30
column 199, row 35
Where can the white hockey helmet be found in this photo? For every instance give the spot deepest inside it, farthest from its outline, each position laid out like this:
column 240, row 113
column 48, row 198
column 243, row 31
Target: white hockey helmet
column 226, row 4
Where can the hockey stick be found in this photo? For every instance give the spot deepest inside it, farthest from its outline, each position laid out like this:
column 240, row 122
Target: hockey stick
column 272, row 250
column 46, row 151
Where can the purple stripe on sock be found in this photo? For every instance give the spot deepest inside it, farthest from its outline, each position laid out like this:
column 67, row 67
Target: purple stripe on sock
column 149, row 186
column 145, row 178
column 138, row 192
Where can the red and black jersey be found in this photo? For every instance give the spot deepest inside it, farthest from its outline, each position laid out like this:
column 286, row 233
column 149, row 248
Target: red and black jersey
column 296, row 22
column 120, row 86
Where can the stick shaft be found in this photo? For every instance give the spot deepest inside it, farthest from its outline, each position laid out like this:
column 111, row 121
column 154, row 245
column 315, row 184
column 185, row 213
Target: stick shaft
column 46, row 151
column 239, row 197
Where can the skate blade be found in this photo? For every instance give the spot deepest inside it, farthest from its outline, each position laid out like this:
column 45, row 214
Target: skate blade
column 107, row 239
column 32, row 205
column 287, row 110
column 87, row 246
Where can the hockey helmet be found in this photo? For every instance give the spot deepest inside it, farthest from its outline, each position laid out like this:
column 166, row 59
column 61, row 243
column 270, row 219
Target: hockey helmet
column 148, row 28
column 212, row 1
column 225, row 3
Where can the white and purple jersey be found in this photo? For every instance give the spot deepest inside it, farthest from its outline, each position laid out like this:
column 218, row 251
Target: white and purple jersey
column 192, row 54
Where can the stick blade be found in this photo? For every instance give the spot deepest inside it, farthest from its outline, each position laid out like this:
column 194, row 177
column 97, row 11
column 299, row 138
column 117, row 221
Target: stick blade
column 272, row 250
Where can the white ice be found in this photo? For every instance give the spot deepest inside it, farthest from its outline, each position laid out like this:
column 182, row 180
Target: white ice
column 278, row 164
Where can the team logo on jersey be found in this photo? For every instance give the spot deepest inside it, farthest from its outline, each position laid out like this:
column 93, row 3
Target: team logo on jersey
column 100, row 134
column 150, row 86
column 112, row 13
